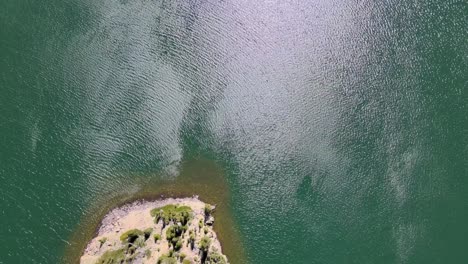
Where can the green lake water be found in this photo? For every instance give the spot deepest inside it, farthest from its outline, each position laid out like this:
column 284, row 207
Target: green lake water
column 334, row 131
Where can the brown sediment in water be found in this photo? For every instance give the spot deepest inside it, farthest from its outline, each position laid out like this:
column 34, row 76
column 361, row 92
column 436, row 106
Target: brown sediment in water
column 196, row 177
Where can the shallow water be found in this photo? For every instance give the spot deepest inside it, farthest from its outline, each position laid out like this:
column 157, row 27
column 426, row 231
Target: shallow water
column 340, row 127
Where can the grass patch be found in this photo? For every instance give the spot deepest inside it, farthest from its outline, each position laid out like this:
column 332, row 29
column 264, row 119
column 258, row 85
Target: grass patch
column 112, row 257
column 167, row 260
column 171, row 212
column 139, row 242
column 148, row 253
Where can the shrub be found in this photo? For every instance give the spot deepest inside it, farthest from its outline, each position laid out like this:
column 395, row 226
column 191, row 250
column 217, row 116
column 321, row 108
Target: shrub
column 147, row 232
column 186, row 261
column 131, row 235
column 139, row 242
column 205, row 243
column 157, row 237
column 215, row 257
column 173, row 231
column 208, row 209
column 191, row 239
column 131, row 249
column 102, row 241
column 178, row 245
column 191, row 236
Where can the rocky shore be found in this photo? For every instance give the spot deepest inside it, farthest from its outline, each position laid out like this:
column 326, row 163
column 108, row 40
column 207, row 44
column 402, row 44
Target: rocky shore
column 166, row 231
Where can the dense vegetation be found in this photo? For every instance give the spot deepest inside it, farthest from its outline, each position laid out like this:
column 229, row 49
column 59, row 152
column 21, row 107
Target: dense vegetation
column 171, row 212
column 176, row 218
column 132, row 240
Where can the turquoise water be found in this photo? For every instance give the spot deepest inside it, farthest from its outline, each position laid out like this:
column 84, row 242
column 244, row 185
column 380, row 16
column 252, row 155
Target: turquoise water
column 341, row 126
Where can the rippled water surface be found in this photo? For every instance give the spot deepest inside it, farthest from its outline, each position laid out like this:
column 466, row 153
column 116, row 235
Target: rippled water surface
column 341, row 126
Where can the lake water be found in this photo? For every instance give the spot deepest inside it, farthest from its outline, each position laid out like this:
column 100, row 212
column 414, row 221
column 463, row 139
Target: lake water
column 340, row 128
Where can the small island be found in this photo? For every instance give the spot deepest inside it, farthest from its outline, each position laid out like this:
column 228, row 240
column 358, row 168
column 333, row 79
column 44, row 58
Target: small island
column 168, row 231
